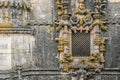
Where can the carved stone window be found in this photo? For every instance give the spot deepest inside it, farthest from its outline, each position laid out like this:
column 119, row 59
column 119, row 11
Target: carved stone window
column 80, row 44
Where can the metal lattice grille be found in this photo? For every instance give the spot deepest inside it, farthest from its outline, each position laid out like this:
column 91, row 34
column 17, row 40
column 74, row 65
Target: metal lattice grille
column 80, row 44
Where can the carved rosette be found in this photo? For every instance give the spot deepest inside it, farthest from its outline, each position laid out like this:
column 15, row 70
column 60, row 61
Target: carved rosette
column 84, row 21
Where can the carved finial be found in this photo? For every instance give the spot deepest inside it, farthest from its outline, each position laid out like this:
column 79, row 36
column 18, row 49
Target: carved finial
column 96, row 0
column 81, row 5
column 81, row 1
column 57, row 2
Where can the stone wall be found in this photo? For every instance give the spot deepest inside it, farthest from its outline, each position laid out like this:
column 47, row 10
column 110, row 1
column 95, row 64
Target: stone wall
column 46, row 48
column 114, row 0
column 113, row 51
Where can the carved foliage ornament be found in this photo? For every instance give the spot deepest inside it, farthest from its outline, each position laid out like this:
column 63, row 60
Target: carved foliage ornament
column 18, row 5
column 84, row 21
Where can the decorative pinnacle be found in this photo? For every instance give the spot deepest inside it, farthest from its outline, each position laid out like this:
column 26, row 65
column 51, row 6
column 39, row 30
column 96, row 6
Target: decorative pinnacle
column 81, row 1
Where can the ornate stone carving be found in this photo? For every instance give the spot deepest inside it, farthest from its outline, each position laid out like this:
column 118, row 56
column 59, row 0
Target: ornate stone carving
column 14, row 14
column 7, row 4
column 84, row 21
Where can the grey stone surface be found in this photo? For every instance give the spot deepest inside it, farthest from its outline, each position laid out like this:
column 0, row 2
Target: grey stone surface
column 46, row 47
column 112, row 55
column 43, row 11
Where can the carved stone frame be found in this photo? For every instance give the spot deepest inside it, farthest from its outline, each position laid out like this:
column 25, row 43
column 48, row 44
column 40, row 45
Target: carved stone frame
column 81, row 20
